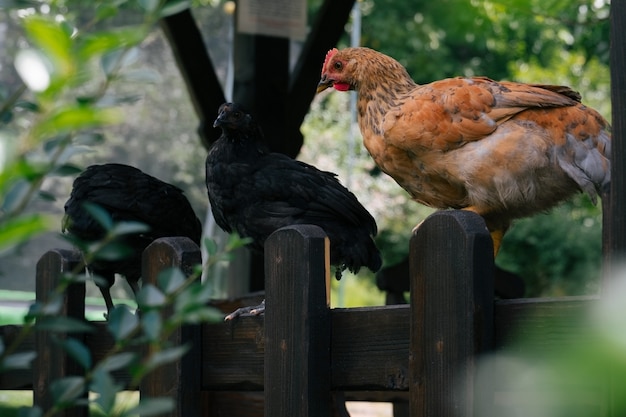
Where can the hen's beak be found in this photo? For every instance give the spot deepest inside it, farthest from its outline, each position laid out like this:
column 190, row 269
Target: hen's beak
column 324, row 83
column 219, row 121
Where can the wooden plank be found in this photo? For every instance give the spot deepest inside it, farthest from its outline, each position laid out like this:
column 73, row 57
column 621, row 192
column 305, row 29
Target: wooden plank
column 370, row 348
column 451, row 311
column 179, row 380
column 51, row 362
column 533, row 338
column 541, row 324
column 233, row 354
column 18, row 378
column 297, row 323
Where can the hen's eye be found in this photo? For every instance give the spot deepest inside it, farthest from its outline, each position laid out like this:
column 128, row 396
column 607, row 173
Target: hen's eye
column 338, row 65
column 237, row 115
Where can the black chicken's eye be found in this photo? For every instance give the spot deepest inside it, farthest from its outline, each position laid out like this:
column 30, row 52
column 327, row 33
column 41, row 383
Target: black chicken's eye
column 338, row 65
column 237, row 115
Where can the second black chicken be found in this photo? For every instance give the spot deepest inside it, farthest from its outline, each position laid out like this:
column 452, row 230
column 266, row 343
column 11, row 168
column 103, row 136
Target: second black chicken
column 254, row 192
column 127, row 194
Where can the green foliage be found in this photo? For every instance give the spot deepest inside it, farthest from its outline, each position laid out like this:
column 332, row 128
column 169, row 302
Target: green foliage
column 64, row 104
column 558, row 253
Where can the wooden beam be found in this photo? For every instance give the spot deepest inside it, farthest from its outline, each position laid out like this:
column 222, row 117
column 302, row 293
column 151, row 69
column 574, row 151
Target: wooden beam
column 615, row 225
column 327, row 29
column 197, row 70
column 451, row 317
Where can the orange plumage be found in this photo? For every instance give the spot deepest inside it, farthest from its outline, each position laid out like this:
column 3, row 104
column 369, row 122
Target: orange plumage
column 504, row 150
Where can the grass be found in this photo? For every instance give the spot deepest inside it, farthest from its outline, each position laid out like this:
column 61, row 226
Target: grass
column 12, row 401
column 11, row 314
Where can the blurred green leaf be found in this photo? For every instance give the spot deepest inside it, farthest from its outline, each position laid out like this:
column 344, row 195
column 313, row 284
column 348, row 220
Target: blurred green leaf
column 27, row 105
column 149, row 6
column 235, row 241
column 116, row 362
column 150, row 296
column 152, row 325
column 125, row 228
column 112, row 43
column 34, row 411
column 18, row 4
column 166, row 356
column 89, row 139
column 22, row 228
column 171, row 279
column 16, row 195
column 99, row 214
column 144, row 75
column 105, row 388
column 112, row 251
column 73, row 118
column 20, row 360
column 46, row 196
column 150, row 407
column 54, row 40
column 63, row 325
column 116, row 100
column 210, row 245
column 174, row 6
column 117, row 59
column 122, row 323
column 50, row 307
column 67, row 170
column 65, row 390
column 106, row 10
column 78, row 351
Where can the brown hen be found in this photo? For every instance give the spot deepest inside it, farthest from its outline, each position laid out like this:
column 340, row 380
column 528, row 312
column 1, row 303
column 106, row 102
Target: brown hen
column 504, row 150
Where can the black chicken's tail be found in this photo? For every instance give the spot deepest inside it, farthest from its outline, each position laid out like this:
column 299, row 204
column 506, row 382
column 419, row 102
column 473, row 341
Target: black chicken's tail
column 354, row 254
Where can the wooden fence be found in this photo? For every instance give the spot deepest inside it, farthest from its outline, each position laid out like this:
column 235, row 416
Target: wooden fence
column 423, row 357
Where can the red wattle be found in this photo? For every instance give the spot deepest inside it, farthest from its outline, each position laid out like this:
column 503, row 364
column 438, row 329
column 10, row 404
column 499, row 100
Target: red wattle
column 341, row 86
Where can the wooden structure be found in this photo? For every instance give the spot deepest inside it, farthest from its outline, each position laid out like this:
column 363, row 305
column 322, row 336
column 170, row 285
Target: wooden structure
column 302, row 352
column 279, row 98
column 411, row 355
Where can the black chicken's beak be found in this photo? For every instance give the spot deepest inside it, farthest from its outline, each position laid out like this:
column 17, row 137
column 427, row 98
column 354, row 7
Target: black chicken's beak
column 324, row 83
column 218, row 122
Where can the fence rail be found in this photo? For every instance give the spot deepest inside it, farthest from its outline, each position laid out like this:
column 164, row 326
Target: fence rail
column 302, row 352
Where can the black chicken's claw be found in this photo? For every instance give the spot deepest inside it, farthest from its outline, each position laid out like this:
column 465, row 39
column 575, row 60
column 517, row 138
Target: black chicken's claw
column 247, row 311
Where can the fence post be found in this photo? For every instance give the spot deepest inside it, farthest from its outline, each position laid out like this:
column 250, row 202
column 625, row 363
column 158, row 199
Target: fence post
column 452, row 296
column 297, row 323
column 180, row 380
column 52, row 362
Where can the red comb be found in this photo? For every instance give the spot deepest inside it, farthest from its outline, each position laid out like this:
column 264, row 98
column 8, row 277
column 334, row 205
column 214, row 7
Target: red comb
column 329, row 55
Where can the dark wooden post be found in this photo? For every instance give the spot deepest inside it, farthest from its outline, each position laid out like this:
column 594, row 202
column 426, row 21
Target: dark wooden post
column 451, row 312
column 615, row 225
column 180, row 380
column 297, row 323
column 51, row 362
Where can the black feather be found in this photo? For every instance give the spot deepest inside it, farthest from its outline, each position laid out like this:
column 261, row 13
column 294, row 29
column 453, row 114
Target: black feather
column 127, row 194
column 255, row 192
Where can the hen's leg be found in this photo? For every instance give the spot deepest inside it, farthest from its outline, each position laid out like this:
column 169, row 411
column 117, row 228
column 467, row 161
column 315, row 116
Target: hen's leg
column 496, row 228
column 108, row 301
column 250, row 310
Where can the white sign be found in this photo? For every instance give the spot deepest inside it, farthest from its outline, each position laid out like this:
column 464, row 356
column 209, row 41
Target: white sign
column 281, row 18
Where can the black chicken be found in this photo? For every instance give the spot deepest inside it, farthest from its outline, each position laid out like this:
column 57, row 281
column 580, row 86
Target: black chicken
column 127, row 194
column 254, row 192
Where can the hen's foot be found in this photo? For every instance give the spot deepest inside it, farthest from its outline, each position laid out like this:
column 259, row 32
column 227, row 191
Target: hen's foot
column 247, row 311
